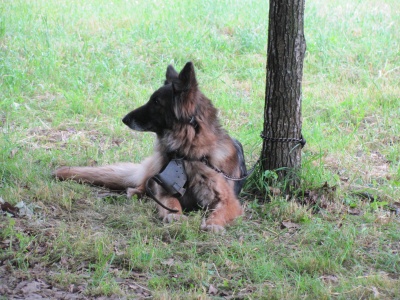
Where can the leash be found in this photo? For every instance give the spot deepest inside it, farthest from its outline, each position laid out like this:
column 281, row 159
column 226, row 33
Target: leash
column 152, row 196
column 300, row 141
column 226, row 176
column 164, row 177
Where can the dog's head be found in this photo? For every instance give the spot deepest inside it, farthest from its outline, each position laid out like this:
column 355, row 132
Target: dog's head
column 174, row 102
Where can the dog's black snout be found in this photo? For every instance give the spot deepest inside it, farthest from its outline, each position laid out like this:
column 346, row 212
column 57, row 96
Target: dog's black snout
column 126, row 120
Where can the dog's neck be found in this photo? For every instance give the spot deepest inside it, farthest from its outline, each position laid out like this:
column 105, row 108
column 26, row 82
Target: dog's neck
column 192, row 121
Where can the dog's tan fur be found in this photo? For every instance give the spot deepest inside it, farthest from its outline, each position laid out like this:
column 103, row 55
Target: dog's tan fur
column 166, row 114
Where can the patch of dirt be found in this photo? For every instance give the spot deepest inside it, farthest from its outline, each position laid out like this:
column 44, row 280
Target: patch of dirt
column 47, row 139
column 372, row 165
column 378, row 164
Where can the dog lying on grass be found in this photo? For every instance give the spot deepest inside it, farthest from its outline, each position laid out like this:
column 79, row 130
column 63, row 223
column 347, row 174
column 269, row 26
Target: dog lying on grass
column 190, row 142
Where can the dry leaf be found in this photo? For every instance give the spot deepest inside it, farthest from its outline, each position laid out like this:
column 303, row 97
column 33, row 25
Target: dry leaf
column 289, row 225
column 330, row 278
column 275, row 191
column 354, row 211
column 383, row 220
column 168, row 262
column 376, row 292
column 64, row 261
column 117, row 251
column 212, row 290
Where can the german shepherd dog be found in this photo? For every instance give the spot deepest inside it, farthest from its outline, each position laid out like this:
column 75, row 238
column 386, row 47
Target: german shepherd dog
column 187, row 129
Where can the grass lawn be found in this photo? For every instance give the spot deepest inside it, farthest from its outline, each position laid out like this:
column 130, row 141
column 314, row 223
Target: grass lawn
column 70, row 70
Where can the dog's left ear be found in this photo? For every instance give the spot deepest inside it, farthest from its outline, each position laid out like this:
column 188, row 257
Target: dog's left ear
column 187, row 78
column 171, row 75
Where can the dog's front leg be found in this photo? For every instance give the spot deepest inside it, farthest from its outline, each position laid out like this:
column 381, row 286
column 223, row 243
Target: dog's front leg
column 225, row 211
column 172, row 203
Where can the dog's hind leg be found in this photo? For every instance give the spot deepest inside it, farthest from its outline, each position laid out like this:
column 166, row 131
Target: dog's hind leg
column 119, row 176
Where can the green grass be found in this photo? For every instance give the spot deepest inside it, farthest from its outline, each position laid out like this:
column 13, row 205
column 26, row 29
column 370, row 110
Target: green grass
column 70, row 70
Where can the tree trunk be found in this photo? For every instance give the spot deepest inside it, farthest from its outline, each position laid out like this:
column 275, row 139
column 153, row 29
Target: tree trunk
column 282, row 114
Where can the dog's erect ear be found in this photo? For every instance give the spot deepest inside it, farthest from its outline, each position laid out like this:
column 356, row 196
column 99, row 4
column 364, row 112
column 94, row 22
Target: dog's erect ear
column 187, row 78
column 171, row 75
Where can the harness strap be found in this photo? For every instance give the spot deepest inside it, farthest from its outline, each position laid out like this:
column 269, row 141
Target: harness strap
column 151, row 194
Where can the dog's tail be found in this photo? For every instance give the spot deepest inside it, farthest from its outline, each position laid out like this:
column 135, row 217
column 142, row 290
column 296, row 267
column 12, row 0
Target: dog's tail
column 119, row 176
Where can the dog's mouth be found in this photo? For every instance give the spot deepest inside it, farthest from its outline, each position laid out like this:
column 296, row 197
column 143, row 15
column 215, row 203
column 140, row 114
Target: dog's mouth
column 138, row 124
column 132, row 124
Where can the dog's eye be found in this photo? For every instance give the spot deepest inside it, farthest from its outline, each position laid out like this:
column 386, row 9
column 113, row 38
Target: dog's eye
column 156, row 101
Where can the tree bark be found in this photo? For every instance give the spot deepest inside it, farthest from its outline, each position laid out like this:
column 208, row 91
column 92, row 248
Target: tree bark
column 282, row 114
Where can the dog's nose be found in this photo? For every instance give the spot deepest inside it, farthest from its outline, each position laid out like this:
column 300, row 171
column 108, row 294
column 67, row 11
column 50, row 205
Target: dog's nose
column 126, row 120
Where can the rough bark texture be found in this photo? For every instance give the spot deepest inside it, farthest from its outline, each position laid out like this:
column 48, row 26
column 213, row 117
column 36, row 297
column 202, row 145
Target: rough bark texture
column 282, row 115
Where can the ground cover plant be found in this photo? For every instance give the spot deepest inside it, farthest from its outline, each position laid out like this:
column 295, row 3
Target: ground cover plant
column 70, row 70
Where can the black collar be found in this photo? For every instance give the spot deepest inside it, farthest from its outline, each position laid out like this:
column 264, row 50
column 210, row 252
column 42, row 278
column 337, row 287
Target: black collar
column 193, row 122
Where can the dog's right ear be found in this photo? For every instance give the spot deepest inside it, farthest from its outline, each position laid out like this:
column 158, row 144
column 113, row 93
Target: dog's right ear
column 171, row 75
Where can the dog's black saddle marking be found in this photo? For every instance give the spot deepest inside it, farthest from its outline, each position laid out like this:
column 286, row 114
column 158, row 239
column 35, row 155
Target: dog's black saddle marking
column 173, row 178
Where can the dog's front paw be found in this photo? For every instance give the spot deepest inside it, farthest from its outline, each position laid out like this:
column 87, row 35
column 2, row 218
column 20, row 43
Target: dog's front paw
column 170, row 218
column 212, row 228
